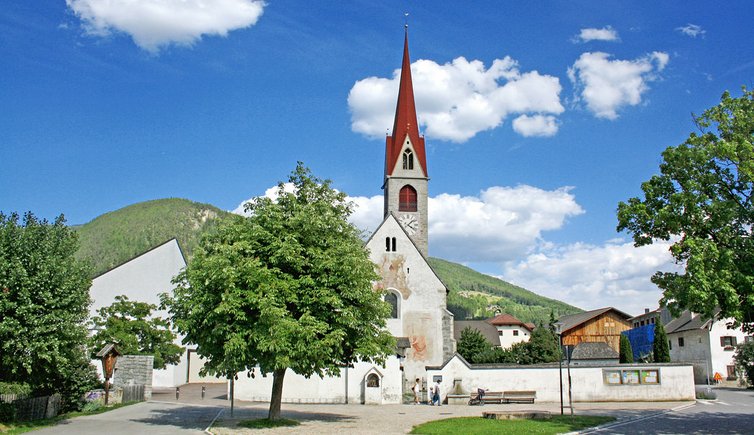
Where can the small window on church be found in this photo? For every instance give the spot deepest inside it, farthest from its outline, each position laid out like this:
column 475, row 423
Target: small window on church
column 387, row 244
column 393, row 240
column 408, row 159
column 407, row 199
column 392, row 299
column 373, row 380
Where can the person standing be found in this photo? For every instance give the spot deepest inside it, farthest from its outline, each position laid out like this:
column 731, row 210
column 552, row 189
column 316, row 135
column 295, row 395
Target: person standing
column 417, row 388
column 436, row 395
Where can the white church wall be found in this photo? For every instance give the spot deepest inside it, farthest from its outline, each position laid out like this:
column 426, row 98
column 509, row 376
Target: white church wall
column 422, row 297
column 328, row 389
column 589, row 384
column 142, row 279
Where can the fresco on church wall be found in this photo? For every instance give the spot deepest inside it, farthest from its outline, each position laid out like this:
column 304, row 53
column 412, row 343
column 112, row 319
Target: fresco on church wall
column 419, row 327
column 394, row 275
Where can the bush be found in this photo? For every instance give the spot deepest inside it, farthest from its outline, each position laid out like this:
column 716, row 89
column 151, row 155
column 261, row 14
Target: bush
column 706, row 394
column 93, row 406
column 7, row 412
column 13, row 388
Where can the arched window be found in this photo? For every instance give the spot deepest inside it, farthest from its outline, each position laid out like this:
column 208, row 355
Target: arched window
column 408, row 159
column 387, row 244
column 392, row 299
column 373, row 380
column 407, row 199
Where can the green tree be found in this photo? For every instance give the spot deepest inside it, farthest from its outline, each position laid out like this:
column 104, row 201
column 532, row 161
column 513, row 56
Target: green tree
column 744, row 359
column 288, row 288
column 44, row 295
column 542, row 346
column 626, row 353
column 660, row 346
column 472, row 343
column 703, row 202
column 131, row 326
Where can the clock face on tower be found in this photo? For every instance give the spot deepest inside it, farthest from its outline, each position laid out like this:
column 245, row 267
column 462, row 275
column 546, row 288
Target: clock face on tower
column 409, row 223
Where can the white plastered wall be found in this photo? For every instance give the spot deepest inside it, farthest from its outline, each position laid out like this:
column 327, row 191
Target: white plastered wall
column 422, row 297
column 328, row 389
column 143, row 279
column 588, row 384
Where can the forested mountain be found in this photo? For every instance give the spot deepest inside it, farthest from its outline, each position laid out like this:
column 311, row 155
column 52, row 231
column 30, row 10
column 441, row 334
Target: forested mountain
column 118, row 236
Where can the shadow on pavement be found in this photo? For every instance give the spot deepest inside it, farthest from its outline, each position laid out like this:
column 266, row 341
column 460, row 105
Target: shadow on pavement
column 702, row 423
column 183, row 416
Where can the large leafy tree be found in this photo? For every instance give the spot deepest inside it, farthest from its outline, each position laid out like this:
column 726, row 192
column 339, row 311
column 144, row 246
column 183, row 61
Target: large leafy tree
column 702, row 202
column 471, row 344
column 132, row 327
column 290, row 287
column 44, row 298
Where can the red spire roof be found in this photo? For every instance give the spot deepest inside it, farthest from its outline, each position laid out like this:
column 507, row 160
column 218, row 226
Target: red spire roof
column 405, row 120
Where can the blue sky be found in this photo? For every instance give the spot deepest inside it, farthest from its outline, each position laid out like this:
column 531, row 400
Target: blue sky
column 539, row 116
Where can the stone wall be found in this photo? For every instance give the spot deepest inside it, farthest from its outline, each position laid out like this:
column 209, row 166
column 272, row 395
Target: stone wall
column 134, row 370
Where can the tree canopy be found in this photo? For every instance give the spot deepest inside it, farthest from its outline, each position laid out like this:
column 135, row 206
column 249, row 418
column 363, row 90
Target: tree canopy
column 290, row 287
column 702, row 202
column 44, row 298
column 131, row 326
column 472, row 343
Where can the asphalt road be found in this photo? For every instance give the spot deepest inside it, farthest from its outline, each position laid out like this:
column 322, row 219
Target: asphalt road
column 731, row 413
column 146, row 417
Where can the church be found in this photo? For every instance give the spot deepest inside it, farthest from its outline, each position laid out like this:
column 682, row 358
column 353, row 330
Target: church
column 419, row 320
column 399, row 246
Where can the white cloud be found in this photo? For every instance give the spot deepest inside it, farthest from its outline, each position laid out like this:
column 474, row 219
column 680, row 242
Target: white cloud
column 607, row 85
column 501, row 224
column 156, row 23
column 606, row 33
column 614, row 274
column 456, row 100
column 271, row 193
column 367, row 212
column 537, row 125
column 692, row 30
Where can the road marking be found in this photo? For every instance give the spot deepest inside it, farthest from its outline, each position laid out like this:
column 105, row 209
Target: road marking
column 213, row 421
column 633, row 420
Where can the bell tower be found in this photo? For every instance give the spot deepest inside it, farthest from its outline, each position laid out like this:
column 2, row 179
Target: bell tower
column 406, row 177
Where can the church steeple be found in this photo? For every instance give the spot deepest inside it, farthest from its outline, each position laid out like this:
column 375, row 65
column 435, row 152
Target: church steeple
column 406, row 178
column 405, row 125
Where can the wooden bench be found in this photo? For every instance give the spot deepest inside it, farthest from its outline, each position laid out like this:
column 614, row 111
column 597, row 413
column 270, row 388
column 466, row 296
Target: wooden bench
column 489, row 396
column 519, row 396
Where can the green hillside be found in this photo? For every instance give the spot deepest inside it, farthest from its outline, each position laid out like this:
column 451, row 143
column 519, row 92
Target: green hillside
column 118, row 236
column 476, row 295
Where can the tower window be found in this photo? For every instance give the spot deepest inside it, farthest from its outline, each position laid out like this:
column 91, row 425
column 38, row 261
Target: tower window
column 407, row 199
column 408, row 159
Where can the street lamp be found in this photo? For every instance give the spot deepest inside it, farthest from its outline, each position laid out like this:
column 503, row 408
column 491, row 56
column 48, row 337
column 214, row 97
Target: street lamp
column 558, row 330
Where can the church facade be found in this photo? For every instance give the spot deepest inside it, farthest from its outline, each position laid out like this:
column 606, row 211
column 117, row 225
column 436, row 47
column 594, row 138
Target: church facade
column 399, row 246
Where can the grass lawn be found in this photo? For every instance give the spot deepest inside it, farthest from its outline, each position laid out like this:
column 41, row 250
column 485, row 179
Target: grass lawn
column 18, row 427
column 265, row 423
column 478, row 425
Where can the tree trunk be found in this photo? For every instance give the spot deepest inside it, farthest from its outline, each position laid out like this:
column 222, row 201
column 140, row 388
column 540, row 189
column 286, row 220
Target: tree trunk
column 277, row 394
